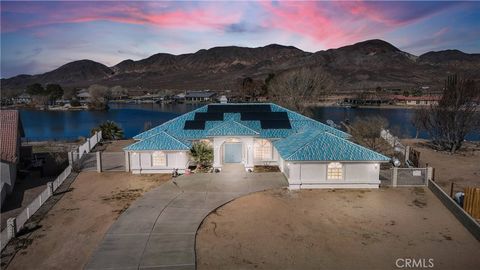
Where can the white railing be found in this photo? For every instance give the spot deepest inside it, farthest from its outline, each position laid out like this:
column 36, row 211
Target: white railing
column 14, row 225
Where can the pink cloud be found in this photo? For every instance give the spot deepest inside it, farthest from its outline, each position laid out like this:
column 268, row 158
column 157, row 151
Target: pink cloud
column 312, row 20
column 140, row 13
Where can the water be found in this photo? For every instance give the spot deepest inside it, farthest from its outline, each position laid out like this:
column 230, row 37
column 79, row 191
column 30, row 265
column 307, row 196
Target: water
column 58, row 125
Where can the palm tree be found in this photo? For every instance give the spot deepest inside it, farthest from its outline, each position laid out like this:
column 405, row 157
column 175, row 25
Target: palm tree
column 202, row 154
column 110, row 130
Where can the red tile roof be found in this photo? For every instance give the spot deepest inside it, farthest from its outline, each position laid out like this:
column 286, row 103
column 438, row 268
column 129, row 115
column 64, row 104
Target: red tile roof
column 414, row 98
column 10, row 129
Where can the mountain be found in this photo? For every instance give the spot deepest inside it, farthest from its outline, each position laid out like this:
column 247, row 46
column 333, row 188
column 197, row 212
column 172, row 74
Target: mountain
column 366, row 64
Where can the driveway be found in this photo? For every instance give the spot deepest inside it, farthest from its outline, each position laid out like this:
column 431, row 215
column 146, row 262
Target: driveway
column 158, row 231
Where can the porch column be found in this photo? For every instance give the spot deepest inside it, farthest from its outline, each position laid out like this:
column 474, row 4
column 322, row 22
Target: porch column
column 217, row 153
column 127, row 161
column 249, row 162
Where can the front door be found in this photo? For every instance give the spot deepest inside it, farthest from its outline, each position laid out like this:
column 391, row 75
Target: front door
column 233, row 153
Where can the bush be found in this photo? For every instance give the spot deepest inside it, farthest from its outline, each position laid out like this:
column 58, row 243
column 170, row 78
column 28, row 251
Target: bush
column 75, row 103
column 202, row 154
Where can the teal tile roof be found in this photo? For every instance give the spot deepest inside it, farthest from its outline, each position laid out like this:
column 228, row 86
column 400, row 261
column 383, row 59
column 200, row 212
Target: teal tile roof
column 318, row 145
column 307, row 140
column 159, row 141
column 231, row 128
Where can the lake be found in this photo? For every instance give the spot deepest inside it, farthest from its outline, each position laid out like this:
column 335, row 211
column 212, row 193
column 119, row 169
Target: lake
column 134, row 118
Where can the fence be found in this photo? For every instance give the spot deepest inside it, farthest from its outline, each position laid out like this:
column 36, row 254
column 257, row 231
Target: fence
column 14, row 225
column 471, row 203
column 406, row 177
column 470, row 223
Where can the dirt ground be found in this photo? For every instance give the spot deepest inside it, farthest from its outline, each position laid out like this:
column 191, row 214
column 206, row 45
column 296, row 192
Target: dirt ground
column 74, row 227
column 462, row 168
column 334, row 229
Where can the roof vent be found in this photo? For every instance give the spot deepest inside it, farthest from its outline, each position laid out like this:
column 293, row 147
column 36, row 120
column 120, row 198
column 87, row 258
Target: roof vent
column 223, row 99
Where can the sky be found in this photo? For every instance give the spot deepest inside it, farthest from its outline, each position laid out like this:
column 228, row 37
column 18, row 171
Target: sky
column 40, row 36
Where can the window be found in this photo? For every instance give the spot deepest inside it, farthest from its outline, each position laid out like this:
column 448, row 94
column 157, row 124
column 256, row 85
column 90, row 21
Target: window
column 159, row 159
column 262, row 150
column 334, row 171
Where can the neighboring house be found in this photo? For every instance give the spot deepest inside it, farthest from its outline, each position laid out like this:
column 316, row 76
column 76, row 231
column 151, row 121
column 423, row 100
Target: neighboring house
column 309, row 153
column 200, row 96
column 84, row 95
column 416, row 101
column 148, row 98
column 22, row 99
column 11, row 131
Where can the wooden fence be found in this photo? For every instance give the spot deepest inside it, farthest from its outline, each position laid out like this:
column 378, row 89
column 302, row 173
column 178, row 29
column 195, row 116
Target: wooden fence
column 471, row 202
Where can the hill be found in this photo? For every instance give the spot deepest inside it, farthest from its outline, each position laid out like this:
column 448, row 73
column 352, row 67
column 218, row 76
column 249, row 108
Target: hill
column 366, row 64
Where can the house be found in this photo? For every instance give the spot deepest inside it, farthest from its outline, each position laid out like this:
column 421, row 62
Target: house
column 309, row 153
column 24, row 98
column 416, row 100
column 200, row 96
column 148, row 98
column 84, row 96
column 11, row 131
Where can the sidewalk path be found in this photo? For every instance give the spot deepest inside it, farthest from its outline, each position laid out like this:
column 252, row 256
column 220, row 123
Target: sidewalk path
column 158, row 231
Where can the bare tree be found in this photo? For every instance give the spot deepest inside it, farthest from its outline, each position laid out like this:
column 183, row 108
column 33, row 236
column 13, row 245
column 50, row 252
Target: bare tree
column 366, row 131
column 100, row 95
column 297, row 88
column 455, row 115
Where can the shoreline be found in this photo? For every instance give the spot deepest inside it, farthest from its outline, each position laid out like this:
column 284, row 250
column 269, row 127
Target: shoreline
column 323, row 105
column 329, row 105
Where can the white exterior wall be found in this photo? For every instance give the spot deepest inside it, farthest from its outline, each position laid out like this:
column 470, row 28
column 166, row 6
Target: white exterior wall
column 8, row 177
column 302, row 175
column 141, row 162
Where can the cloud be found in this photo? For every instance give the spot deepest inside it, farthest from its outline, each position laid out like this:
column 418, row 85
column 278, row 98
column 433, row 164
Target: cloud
column 18, row 15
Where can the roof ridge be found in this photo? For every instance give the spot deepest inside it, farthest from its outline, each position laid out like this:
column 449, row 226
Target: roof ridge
column 176, row 139
column 307, row 143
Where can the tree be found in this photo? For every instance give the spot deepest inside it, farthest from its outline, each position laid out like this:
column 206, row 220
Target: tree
column 202, row 154
column 366, row 131
column 35, row 89
column 110, row 130
column 54, row 91
column 455, row 115
column 100, row 95
column 296, row 88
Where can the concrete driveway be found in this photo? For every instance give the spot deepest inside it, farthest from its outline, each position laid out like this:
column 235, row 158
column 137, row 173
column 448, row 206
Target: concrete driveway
column 158, row 231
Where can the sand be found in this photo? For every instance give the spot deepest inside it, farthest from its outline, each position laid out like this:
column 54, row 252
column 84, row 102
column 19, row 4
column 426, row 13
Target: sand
column 342, row 229
column 74, row 227
column 462, row 168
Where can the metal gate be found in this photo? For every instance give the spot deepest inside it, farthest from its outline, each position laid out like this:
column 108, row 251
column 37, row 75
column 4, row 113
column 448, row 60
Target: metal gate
column 404, row 177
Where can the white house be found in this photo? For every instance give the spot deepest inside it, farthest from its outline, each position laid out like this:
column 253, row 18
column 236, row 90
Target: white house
column 309, row 153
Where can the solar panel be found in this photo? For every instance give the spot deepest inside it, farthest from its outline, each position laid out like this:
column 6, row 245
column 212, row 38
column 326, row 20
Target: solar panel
column 275, row 124
column 209, row 116
column 194, row 125
column 249, row 116
column 237, row 108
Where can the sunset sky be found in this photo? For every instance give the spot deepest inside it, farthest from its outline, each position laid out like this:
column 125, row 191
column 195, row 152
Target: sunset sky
column 39, row 36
